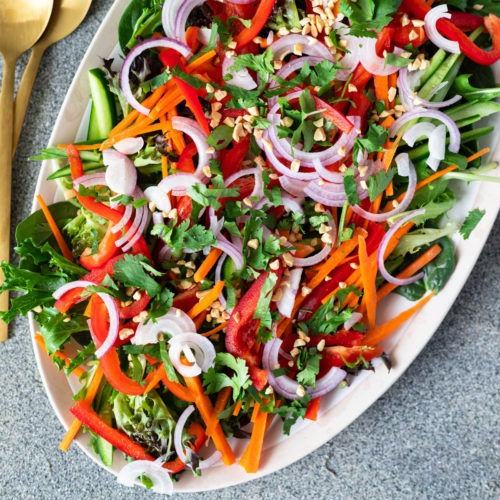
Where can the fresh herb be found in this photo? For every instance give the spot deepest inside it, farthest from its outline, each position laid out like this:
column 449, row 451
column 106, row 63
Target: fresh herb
column 377, row 183
column 350, row 187
column 180, row 236
column 308, row 366
column 290, row 412
column 471, row 221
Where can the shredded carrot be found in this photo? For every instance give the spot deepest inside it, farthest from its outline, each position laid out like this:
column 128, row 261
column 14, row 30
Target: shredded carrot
column 206, row 300
column 207, row 264
column 177, row 389
column 381, row 84
column 222, row 399
column 78, row 370
column 156, row 378
column 176, row 135
column 213, row 428
column 368, row 270
column 82, row 147
column 200, row 319
column 379, row 333
column 251, row 456
column 89, row 398
column 255, row 412
column 388, row 121
column 215, row 330
column 65, row 250
column 415, row 266
column 237, row 408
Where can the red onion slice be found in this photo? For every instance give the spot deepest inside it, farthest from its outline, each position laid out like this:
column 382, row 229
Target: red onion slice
column 405, row 167
column 230, row 250
column 204, row 352
column 383, row 247
column 121, row 173
column 437, row 146
column 159, row 198
column 287, row 387
column 140, row 215
column 143, row 222
column 430, row 20
column 318, row 257
column 350, row 59
column 114, row 325
column 71, row 286
column 418, row 131
column 309, row 45
column 371, row 61
column 290, row 287
column 293, row 186
column 431, row 114
column 178, row 184
column 89, row 180
column 179, row 447
column 127, row 214
column 181, row 17
column 168, row 13
column 130, row 145
column 241, row 78
column 167, row 43
column 355, row 318
column 193, row 130
column 162, row 482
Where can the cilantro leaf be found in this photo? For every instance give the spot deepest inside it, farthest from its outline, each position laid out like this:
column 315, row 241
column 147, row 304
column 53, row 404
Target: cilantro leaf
column 180, row 236
column 372, row 142
column 378, row 182
column 471, row 221
column 350, row 187
column 291, row 412
column 308, row 364
column 131, row 271
column 368, row 17
column 215, row 379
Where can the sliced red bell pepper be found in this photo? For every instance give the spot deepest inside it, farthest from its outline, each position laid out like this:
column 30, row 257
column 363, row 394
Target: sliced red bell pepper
column 137, row 306
column 187, row 299
column 334, row 116
column 312, row 409
column 110, row 362
column 419, row 8
column 107, row 250
column 338, row 356
column 185, row 162
column 193, row 103
column 466, row 21
column 242, row 328
column 169, row 57
column 231, row 159
column 121, row 441
column 258, row 22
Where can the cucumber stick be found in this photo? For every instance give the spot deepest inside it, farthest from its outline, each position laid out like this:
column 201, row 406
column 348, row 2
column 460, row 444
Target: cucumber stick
column 103, row 111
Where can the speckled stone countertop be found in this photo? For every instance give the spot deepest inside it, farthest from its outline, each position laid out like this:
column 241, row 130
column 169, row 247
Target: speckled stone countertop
column 434, row 434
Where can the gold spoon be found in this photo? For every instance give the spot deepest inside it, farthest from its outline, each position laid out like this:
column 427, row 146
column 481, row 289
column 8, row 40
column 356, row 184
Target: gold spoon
column 21, row 24
column 66, row 17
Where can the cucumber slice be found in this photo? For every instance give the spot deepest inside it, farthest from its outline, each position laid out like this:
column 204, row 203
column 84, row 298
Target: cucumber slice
column 103, row 111
column 103, row 447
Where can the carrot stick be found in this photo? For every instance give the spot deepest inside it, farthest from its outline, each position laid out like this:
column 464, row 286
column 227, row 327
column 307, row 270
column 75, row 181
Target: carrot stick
column 222, row 399
column 379, row 333
column 237, row 408
column 215, row 330
column 156, row 378
column 368, row 274
column 176, row 135
column 207, row 300
column 213, row 428
column 177, row 389
column 207, row 264
column 81, row 147
column 65, row 250
column 255, row 412
column 78, row 371
column 387, row 122
column 90, row 396
column 251, row 456
column 381, row 84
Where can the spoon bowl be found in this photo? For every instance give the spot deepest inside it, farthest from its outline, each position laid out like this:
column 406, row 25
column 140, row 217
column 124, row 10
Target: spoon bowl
column 65, row 18
column 22, row 22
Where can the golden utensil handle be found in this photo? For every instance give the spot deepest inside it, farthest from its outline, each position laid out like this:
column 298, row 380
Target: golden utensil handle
column 24, row 92
column 6, row 123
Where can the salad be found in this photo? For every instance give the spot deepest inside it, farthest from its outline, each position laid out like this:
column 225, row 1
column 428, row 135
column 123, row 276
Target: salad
column 256, row 178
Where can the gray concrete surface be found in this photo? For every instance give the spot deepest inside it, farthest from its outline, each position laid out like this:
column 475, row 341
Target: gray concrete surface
column 433, row 435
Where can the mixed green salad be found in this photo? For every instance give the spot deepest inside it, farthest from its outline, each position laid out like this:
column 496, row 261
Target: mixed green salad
column 256, row 178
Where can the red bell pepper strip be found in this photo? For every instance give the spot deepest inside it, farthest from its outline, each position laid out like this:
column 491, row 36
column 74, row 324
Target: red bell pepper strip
column 258, row 22
column 193, row 103
column 107, row 249
column 137, row 306
column 338, row 356
column 88, row 417
column 312, row 409
column 110, row 362
column 466, row 21
column 185, row 162
column 332, row 115
column 419, row 8
column 231, row 159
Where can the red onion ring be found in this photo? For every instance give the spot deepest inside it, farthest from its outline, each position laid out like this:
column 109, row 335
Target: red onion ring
column 114, row 324
column 181, row 17
column 89, row 180
column 162, row 482
column 290, row 287
column 430, row 20
column 310, row 46
column 127, row 214
column 130, row 145
column 287, row 387
column 179, row 448
column 293, row 186
column 159, row 198
column 405, row 167
column 437, row 146
column 140, row 215
column 371, row 61
column 141, row 226
column 204, row 353
column 193, row 130
column 167, row 43
column 121, row 173
column 178, row 184
column 431, row 114
column 241, row 78
column 318, row 257
column 383, row 247
column 71, row 286
column 355, row 318
column 230, row 250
